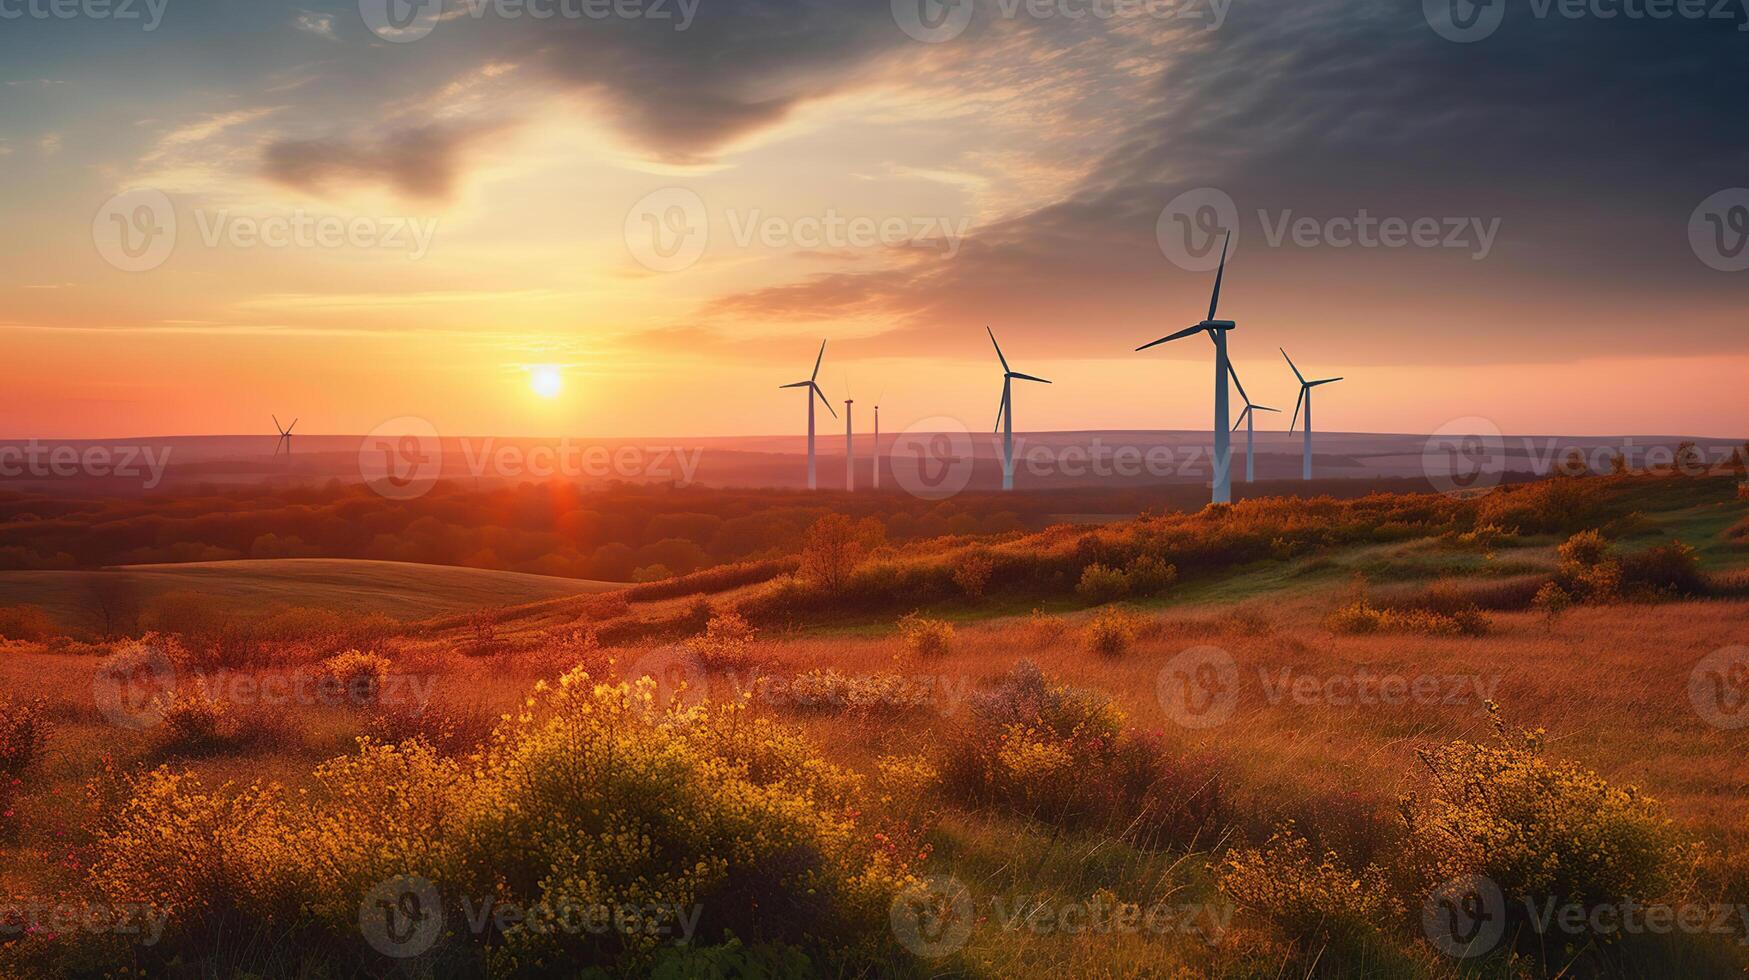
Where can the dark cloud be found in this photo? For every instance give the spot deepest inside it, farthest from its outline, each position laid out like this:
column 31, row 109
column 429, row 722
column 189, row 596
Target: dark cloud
column 418, row 161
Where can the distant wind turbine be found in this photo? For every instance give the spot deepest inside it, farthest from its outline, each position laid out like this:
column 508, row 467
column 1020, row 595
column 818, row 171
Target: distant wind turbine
column 813, row 390
column 877, row 444
column 1306, row 399
column 1005, row 413
column 1248, row 418
column 849, row 448
column 1222, row 491
column 285, row 434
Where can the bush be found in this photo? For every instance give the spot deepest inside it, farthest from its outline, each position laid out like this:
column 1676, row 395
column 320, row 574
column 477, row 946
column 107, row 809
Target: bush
column 925, row 637
column 1552, row 600
column 1042, row 629
column 1539, row 829
column 1667, row 570
column 25, row 623
column 972, row 572
column 592, row 796
column 354, row 677
column 193, row 724
column 726, row 644
column 1310, row 901
column 1111, row 631
column 1100, row 584
column 1150, row 576
column 1362, row 617
column 831, row 551
column 23, row 730
column 830, row 692
column 1585, row 548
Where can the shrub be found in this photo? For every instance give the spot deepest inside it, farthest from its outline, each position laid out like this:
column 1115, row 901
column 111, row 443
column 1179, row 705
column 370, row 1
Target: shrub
column 831, row 692
column 1539, row 829
column 1042, row 629
column 1552, row 600
column 925, row 637
column 1309, row 900
column 451, row 730
column 726, row 644
column 831, row 551
column 25, row 623
column 652, row 573
column 972, row 572
column 193, row 724
column 1667, row 570
column 1150, row 576
column 1111, row 631
column 1362, row 617
column 353, row 677
column 1585, row 548
column 23, row 730
column 1100, row 584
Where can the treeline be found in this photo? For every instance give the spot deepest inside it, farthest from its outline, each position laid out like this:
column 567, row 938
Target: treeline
column 620, row 533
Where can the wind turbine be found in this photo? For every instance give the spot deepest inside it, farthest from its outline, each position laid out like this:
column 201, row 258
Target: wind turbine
column 285, row 433
column 1248, row 418
column 1005, row 413
column 813, row 390
column 877, row 444
column 1305, row 398
column 1217, row 331
column 849, row 448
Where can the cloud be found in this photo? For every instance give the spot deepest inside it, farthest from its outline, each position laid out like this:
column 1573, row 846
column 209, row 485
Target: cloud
column 50, row 144
column 420, row 161
column 321, row 25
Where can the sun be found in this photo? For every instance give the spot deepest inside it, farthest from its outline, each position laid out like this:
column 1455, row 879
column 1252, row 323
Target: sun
column 546, row 380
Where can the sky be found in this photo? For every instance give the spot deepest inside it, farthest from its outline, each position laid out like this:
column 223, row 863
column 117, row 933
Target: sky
column 639, row 217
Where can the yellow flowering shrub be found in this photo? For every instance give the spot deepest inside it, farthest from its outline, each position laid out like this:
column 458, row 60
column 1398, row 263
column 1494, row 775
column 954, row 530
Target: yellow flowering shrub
column 1538, row 828
column 354, row 676
column 1305, row 897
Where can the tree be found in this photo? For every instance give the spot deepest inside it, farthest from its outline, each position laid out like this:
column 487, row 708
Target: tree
column 830, row 552
column 111, row 601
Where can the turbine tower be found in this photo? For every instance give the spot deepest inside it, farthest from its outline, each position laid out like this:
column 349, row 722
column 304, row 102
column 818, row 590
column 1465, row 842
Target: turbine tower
column 285, row 433
column 813, row 391
column 849, row 448
column 1005, row 413
column 1305, row 398
column 1222, row 492
column 877, row 448
column 1248, row 417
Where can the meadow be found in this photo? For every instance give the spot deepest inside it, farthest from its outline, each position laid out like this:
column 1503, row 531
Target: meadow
column 1268, row 739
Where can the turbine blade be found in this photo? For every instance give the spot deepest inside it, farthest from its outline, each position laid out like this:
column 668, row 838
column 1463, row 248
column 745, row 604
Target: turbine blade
column 276, row 425
column 817, row 359
column 1326, row 381
column 1241, row 419
column 1001, row 404
column 998, row 347
column 1296, row 418
column 295, row 421
column 1187, row 331
column 1025, row 377
column 1215, row 300
column 1236, row 384
column 798, row 384
column 1262, row 408
column 1290, row 363
column 816, row 389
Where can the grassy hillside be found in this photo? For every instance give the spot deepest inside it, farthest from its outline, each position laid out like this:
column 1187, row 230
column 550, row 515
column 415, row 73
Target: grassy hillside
column 404, row 590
